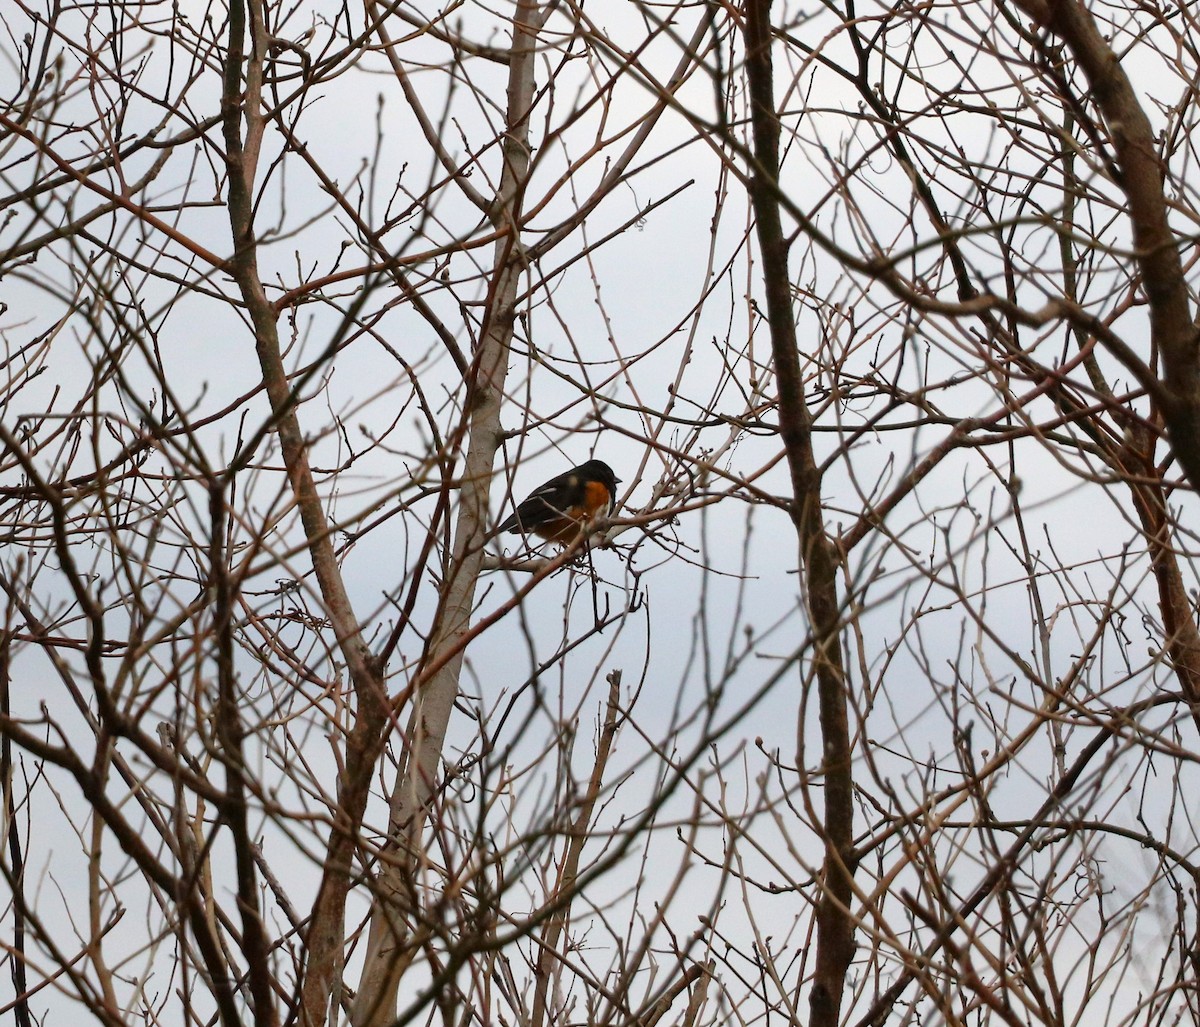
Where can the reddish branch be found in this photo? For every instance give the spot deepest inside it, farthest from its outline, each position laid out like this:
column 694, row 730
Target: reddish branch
column 231, row 733
column 818, row 557
column 16, row 880
column 326, row 934
column 1172, row 332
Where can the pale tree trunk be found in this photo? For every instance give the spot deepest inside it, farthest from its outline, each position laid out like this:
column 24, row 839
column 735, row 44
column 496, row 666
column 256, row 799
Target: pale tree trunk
column 436, row 689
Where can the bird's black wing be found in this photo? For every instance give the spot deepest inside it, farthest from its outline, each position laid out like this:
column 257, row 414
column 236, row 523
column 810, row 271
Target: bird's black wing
column 548, row 501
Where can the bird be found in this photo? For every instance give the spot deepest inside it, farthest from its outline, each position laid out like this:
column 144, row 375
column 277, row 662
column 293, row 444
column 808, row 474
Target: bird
column 559, row 509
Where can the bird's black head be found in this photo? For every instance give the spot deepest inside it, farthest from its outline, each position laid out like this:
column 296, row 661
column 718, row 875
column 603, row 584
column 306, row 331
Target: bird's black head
column 600, row 471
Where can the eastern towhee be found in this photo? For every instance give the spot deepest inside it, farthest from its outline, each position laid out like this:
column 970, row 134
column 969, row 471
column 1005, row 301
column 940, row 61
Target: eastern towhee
column 560, row 509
